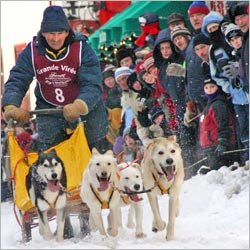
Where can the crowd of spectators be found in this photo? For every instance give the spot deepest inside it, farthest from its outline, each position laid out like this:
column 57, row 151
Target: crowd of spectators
column 192, row 83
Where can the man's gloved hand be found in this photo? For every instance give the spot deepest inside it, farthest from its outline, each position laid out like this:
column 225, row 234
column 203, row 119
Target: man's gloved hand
column 220, row 149
column 17, row 114
column 191, row 112
column 230, row 70
column 175, row 69
column 156, row 130
column 72, row 111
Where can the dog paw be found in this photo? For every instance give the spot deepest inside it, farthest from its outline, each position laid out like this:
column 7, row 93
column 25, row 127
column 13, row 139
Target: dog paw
column 140, row 235
column 112, row 232
column 169, row 236
column 158, row 226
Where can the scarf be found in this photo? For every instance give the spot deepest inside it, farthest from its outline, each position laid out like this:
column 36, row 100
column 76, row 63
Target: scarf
column 148, row 29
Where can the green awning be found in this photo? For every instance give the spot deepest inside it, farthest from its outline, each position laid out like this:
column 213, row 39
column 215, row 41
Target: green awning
column 126, row 22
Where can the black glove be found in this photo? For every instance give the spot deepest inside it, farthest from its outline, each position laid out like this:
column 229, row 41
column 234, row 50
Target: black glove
column 220, row 149
column 236, row 84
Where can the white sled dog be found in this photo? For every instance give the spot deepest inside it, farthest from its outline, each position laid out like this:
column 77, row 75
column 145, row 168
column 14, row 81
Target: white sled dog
column 98, row 192
column 46, row 184
column 131, row 185
column 163, row 171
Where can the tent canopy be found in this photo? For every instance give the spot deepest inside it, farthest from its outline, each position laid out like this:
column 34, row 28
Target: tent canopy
column 126, row 22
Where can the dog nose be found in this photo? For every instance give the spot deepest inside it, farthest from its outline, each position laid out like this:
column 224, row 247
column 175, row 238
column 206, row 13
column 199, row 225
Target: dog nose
column 54, row 175
column 136, row 186
column 169, row 161
column 104, row 174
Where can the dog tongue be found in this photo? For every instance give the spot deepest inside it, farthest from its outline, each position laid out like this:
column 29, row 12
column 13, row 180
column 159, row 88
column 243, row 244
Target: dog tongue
column 135, row 197
column 103, row 185
column 53, row 186
column 170, row 173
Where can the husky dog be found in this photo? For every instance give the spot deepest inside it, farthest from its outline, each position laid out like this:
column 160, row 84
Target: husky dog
column 131, row 185
column 46, row 185
column 163, row 171
column 99, row 191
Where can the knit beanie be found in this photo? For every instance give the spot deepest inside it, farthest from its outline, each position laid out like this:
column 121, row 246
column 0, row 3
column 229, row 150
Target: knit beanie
column 212, row 17
column 54, row 20
column 209, row 79
column 154, row 112
column 148, row 61
column 122, row 71
column 198, row 7
column 178, row 30
column 108, row 71
column 175, row 17
column 200, row 39
column 148, row 18
column 231, row 31
column 123, row 53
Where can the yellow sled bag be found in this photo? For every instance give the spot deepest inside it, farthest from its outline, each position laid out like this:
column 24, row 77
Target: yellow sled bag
column 74, row 152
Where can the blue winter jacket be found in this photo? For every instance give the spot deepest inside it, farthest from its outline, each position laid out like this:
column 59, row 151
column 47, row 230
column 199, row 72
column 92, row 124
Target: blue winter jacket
column 89, row 78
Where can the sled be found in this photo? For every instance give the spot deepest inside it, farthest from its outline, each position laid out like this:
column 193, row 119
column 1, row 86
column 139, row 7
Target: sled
column 75, row 154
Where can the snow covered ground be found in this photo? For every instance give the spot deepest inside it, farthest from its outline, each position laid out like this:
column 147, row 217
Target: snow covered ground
column 214, row 214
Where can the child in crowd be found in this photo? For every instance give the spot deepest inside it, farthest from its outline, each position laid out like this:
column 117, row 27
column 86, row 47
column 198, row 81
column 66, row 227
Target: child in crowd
column 217, row 133
column 159, row 127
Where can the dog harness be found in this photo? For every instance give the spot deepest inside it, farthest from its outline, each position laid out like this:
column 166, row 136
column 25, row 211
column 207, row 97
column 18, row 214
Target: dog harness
column 105, row 204
column 161, row 187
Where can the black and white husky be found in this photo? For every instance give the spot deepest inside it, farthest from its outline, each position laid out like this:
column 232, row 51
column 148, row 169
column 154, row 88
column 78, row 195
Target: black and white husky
column 46, row 185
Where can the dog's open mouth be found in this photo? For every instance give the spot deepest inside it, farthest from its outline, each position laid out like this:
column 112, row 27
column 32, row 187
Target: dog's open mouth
column 104, row 183
column 53, row 185
column 132, row 194
column 169, row 171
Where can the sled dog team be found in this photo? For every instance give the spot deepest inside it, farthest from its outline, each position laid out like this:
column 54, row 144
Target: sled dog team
column 108, row 185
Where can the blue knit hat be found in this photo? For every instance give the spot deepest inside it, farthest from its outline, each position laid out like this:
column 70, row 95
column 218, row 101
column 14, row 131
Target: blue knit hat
column 122, row 71
column 212, row 17
column 54, row 20
column 198, row 7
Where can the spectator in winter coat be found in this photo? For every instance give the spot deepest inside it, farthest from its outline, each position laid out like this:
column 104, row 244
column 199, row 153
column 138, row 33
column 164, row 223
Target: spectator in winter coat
column 220, row 51
column 176, row 19
column 68, row 75
column 240, row 97
column 159, row 127
column 239, row 14
column 125, row 57
column 111, row 90
column 217, row 133
column 181, row 37
column 196, row 12
column 150, row 26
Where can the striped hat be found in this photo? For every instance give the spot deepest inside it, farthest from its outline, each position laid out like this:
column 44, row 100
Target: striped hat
column 178, row 30
column 122, row 71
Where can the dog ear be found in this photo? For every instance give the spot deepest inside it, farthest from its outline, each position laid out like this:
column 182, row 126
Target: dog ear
column 136, row 165
column 121, row 165
column 172, row 138
column 109, row 152
column 95, row 151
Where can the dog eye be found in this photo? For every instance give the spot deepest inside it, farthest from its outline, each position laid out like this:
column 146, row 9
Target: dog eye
column 109, row 163
column 172, row 151
column 137, row 176
column 97, row 164
column 161, row 153
column 45, row 165
column 126, row 178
